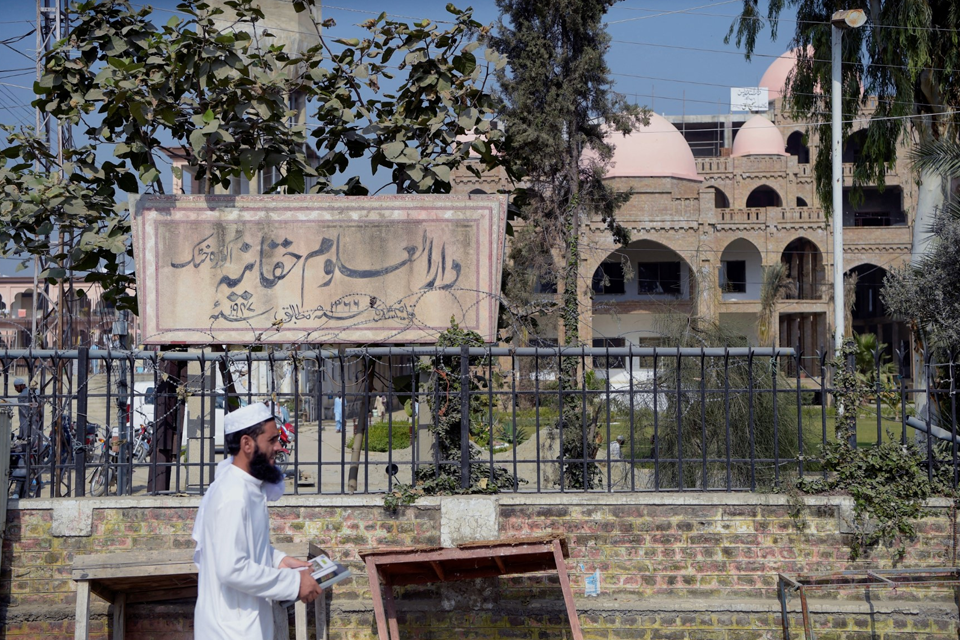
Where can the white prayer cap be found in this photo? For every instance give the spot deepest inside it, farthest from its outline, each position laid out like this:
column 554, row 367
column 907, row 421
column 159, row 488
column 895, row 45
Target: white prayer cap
column 245, row 417
column 19, row 381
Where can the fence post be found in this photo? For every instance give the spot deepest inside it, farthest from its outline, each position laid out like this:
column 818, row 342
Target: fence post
column 80, row 433
column 464, row 417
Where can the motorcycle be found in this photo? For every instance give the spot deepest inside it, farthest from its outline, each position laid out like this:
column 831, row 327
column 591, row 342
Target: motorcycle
column 287, row 436
column 142, row 443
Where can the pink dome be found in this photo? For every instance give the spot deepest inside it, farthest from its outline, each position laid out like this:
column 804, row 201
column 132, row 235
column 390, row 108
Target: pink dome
column 758, row 137
column 775, row 77
column 656, row 150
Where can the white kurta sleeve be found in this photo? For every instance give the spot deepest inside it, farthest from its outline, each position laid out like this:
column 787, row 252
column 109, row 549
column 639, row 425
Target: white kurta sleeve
column 234, row 566
column 278, row 556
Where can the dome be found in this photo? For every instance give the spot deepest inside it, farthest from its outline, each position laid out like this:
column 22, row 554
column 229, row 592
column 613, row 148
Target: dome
column 758, row 137
column 775, row 77
column 656, row 150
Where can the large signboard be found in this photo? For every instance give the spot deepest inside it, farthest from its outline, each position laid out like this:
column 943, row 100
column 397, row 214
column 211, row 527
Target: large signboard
column 753, row 99
column 316, row 269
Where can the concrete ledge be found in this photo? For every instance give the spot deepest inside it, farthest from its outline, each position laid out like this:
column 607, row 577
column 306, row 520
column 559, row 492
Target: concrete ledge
column 375, row 500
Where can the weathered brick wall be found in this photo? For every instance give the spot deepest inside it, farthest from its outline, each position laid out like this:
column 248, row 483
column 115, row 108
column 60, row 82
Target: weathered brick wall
column 672, row 566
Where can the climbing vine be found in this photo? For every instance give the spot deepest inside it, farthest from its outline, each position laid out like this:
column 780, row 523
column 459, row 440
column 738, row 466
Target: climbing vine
column 443, row 395
column 889, row 483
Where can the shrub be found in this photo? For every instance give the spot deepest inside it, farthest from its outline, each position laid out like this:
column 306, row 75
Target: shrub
column 378, row 436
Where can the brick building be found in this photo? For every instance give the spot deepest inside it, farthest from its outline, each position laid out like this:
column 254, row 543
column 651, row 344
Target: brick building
column 717, row 199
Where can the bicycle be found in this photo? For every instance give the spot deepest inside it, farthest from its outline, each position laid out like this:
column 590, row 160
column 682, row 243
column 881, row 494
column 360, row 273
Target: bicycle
column 105, row 472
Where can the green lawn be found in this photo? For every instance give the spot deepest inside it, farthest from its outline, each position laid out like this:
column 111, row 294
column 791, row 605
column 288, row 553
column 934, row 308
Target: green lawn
column 866, row 425
column 620, row 425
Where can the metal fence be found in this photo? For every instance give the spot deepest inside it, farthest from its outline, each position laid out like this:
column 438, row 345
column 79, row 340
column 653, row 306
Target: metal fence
column 636, row 419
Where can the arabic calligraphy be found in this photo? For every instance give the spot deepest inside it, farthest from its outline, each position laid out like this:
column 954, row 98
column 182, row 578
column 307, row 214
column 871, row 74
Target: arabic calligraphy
column 249, row 265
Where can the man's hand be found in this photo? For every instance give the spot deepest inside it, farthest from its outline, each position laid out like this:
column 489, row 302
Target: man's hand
column 289, row 562
column 309, row 589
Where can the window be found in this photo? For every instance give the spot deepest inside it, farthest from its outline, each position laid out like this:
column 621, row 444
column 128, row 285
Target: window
column 546, row 283
column 613, row 362
column 763, row 197
column 608, row 279
column 659, row 277
column 733, row 276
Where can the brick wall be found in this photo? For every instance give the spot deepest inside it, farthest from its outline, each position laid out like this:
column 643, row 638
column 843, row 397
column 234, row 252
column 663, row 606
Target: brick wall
column 671, row 566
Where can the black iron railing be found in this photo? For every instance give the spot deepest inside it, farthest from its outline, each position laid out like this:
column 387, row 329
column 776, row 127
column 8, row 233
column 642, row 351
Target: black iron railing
column 646, row 419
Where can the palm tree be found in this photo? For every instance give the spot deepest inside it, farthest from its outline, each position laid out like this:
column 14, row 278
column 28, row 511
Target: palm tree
column 774, row 288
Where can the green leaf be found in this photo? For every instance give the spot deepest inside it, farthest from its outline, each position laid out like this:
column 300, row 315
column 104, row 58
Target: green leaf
column 149, row 175
column 468, row 119
column 136, row 109
column 209, row 116
column 348, row 42
column 250, row 160
column 197, row 140
column 295, row 181
column 442, row 172
column 128, row 182
column 393, row 150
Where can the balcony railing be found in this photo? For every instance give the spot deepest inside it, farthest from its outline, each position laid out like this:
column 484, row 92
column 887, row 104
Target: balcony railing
column 770, row 215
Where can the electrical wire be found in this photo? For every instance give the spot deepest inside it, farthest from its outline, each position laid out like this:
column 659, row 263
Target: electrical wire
column 668, row 13
column 763, row 55
column 793, row 21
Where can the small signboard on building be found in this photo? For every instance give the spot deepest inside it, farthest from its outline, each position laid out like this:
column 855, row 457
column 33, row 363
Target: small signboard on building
column 753, row 99
column 316, row 269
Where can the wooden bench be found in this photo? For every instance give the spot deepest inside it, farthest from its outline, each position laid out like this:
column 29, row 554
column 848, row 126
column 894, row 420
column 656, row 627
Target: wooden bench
column 153, row 576
column 485, row 559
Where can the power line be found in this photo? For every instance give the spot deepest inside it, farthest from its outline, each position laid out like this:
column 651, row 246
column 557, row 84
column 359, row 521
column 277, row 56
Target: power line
column 792, row 20
column 392, row 15
column 668, row 13
column 762, row 55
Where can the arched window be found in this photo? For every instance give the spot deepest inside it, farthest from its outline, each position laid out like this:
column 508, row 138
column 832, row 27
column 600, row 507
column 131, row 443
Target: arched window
column 801, row 202
column 478, row 192
column 763, row 196
column 853, row 147
column 720, row 199
column 796, row 147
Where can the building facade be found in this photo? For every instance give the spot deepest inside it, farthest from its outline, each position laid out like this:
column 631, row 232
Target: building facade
column 717, row 201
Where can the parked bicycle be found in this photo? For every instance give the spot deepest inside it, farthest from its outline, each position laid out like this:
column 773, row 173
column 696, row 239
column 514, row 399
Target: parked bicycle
column 104, row 473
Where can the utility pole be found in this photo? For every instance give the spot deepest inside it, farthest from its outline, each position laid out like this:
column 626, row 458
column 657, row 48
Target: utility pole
column 52, row 26
column 841, row 21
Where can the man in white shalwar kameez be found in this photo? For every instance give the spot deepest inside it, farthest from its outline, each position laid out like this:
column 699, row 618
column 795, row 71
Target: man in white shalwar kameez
column 241, row 575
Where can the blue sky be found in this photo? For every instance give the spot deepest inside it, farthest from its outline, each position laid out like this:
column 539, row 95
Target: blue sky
column 668, row 55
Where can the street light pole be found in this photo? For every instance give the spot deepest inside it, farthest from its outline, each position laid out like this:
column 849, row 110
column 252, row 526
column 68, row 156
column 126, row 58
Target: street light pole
column 841, row 21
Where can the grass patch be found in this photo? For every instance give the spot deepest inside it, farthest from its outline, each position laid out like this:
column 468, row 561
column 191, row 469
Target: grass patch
column 378, row 437
column 866, row 425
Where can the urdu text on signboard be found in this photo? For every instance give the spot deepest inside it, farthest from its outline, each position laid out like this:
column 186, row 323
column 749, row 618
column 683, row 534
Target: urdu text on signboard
column 316, row 269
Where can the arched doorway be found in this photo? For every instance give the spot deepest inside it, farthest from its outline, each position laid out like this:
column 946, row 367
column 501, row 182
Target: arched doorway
column 804, row 269
column 764, row 196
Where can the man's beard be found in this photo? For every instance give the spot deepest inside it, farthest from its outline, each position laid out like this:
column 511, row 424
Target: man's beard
column 261, row 469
